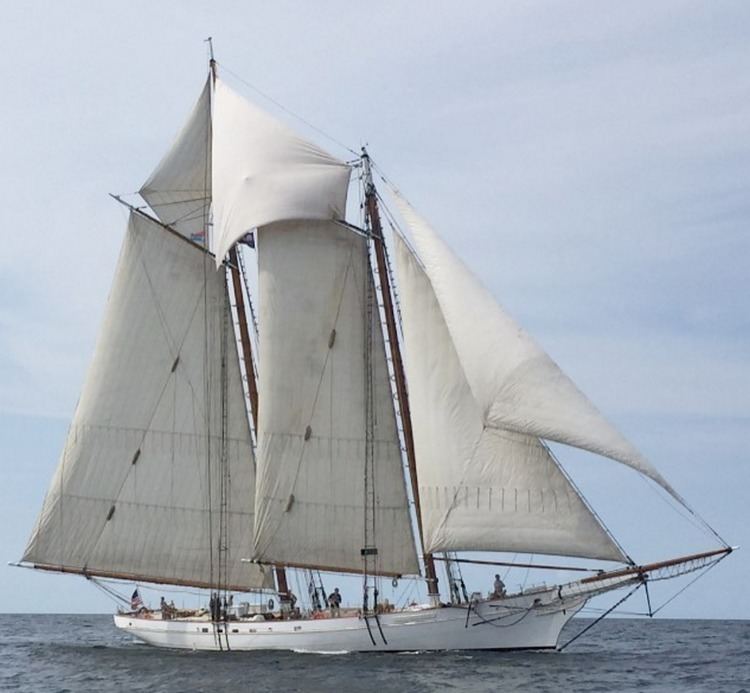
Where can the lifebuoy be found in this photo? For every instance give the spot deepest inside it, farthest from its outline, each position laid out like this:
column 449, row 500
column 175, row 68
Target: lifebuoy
column 271, row 604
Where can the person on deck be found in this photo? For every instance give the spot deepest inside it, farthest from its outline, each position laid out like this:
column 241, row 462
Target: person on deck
column 498, row 587
column 334, row 602
column 164, row 608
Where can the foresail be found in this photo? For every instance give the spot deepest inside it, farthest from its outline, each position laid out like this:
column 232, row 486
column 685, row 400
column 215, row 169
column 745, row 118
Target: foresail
column 263, row 172
column 480, row 488
column 517, row 386
column 179, row 189
column 313, row 282
column 137, row 491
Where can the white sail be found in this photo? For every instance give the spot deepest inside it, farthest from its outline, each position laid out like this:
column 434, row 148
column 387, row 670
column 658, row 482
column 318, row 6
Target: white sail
column 137, row 492
column 313, row 279
column 480, row 488
column 179, row 189
column 263, row 172
column 517, row 386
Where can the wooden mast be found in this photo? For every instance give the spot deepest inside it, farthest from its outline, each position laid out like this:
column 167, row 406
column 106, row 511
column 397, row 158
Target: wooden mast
column 373, row 214
column 247, row 355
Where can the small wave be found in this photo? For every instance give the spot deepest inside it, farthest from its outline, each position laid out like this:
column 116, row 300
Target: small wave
column 321, row 652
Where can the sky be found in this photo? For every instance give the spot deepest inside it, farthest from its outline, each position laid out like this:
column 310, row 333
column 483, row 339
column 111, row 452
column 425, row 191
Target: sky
column 589, row 161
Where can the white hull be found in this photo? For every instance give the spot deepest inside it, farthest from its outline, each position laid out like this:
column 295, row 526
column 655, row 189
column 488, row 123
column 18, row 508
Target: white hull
column 514, row 623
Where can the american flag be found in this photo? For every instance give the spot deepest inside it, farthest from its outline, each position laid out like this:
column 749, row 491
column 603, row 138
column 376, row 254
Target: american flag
column 198, row 237
column 135, row 601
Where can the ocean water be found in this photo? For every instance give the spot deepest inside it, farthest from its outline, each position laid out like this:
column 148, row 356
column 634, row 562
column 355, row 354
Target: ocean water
column 86, row 653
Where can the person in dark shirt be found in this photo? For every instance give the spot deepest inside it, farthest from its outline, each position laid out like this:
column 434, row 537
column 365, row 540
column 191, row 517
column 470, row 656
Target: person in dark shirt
column 334, row 602
column 498, row 587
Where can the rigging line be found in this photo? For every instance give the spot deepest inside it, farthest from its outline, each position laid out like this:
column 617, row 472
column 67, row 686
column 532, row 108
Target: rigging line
column 695, row 579
column 396, row 408
column 670, row 501
column 206, row 385
column 108, row 591
column 597, row 620
column 190, row 215
column 187, row 200
column 585, row 501
column 288, row 111
column 528, row 570
column 511, row 566
column 154, row 220
column 396, row 229
column 494, row 622
column 224, row 487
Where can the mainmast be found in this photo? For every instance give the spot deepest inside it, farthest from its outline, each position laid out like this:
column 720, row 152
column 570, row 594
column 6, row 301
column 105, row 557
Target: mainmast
column 247, row 351
column 373, row 214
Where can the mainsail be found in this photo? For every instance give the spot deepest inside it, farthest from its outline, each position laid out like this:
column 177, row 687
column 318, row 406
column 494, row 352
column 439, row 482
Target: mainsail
column 481, row 488
column 160, row 427
column 516, row 385
column 314, row 282
column 179, row 189
column 263, row 172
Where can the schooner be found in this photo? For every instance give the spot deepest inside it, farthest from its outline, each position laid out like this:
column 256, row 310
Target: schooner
column 215, row 448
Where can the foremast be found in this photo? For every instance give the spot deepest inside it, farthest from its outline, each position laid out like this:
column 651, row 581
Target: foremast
column 376, row 232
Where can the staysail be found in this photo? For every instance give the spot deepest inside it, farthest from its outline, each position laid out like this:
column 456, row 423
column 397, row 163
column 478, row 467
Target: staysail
column 481, row 488
column 310, row 503
column 263, row 172
column 137, row 493
column 179, row 189
column 516, row 385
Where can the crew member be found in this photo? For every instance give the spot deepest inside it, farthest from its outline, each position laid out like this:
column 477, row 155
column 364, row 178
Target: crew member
column 498, row 587
column 334, row 602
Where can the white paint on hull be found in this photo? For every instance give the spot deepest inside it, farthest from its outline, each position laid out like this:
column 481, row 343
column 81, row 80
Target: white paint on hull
column 521, row 622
